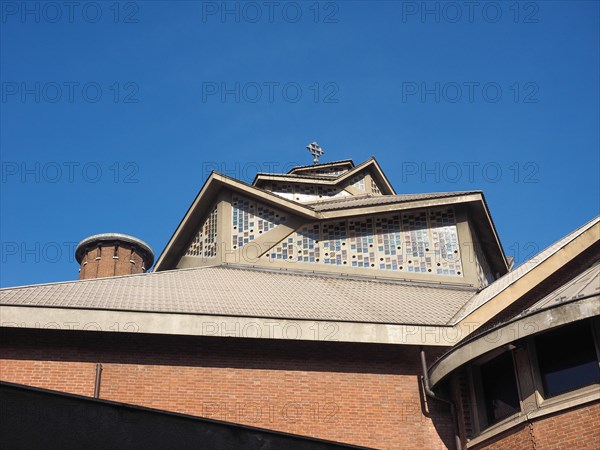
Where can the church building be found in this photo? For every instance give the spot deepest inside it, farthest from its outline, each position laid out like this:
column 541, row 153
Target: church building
column 322, row 303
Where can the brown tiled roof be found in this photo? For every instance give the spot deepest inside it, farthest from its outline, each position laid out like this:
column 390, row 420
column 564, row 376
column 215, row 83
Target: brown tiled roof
column 372, row 200
column 248, row 292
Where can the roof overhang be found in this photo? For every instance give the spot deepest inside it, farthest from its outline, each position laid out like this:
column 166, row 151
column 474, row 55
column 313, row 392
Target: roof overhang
column 329, row 165
column 582, row 245
column 519, row 328
column 370, row 164
column 98, row 320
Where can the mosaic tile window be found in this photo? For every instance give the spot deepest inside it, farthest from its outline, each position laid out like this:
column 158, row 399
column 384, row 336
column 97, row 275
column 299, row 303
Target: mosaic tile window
column 358, row 181
column 374, row 188
column 333, row 245
column 306, row 192
column 286, row 188
column 445, row 241
column 250, row 219
column 362, row 242
column 416, row 242
column 205, row 241
column 413, row 242
column 324, row 171
column 301, row 246
column 389, row 242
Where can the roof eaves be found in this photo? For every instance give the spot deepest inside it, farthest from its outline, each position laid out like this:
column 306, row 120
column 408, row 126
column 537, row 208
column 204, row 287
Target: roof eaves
column 245, row 316
column 103, row 279
column 328, row 164
column 295, row 178
column 495, row 232
column 382, row 175
column 397, row 206
column 527, row 267
column 400, row 198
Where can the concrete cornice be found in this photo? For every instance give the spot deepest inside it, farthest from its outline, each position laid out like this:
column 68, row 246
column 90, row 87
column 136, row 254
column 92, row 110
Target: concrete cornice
column 496, row 337
column 223, row 326
column 524, row 284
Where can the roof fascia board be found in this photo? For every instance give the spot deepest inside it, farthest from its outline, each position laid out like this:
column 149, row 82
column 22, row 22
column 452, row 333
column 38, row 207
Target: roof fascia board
column 295, row 179
column 341, row 162
column 222, row 326
column 205, row 187
column 505, row 264
column 388, row 188
column 372, row 162
column 333, row 181
column 524, row 284
column 390, row 207
column 532, row 324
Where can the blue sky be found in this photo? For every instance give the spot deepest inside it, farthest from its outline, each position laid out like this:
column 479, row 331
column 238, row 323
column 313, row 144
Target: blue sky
column 113, row 114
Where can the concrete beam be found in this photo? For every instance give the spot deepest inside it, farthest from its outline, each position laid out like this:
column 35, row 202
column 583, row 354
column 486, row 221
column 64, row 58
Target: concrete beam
column 527, row 326
column 224, row 326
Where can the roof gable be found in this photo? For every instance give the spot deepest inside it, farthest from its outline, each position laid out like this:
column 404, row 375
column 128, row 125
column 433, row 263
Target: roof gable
column 337, row 179
column 196, row 214
column 334, row 210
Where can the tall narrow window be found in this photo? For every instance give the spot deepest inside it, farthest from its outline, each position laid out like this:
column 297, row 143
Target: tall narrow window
column 500, row 392
column 567, row 359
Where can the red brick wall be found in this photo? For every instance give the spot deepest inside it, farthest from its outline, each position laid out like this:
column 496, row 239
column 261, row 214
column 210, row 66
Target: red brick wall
column 362, row 394
column 101, row 262
column 576, row 428
column 518, row 438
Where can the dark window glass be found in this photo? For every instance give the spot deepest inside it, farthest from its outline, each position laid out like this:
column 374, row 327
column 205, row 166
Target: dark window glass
column 567, row 359
column 500, row 392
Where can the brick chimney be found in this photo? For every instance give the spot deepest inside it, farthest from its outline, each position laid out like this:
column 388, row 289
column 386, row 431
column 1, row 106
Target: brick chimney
column 112, row 255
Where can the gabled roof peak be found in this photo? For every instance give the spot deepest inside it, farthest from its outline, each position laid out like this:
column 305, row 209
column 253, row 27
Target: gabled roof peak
column 345, row 164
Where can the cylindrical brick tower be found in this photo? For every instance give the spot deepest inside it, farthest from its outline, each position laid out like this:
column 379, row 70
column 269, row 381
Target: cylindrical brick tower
column 111, row 255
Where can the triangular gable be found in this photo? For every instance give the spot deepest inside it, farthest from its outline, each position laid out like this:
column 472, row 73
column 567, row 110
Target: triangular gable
column 228, row 214
column 195, row 219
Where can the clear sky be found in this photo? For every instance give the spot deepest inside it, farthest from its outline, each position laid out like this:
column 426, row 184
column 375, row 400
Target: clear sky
column 113, row 114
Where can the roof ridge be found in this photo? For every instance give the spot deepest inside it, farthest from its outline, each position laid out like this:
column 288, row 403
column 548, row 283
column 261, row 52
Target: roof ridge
column 103, row 279
column 291, row 272
column 369, row 194
column 351, row 277
column 308, row 166
column 297, row 175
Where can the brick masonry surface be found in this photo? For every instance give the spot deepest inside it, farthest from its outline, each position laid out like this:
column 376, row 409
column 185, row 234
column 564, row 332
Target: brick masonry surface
column 576, row 428
column 109, row 262
column 363, row 394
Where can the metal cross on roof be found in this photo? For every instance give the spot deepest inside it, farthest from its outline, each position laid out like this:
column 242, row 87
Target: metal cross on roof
column 316, row 151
